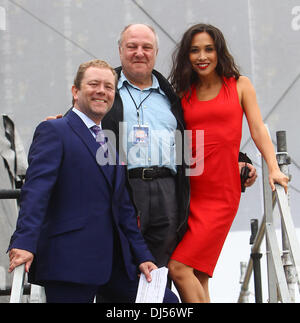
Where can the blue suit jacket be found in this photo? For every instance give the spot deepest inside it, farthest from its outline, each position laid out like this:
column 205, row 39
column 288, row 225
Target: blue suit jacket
column 71, row 207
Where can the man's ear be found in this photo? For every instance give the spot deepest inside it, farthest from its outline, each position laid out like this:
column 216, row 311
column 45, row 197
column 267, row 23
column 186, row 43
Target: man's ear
column 74, row 92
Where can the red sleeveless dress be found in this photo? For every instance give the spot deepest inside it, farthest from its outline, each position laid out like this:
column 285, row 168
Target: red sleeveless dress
column 215, row 194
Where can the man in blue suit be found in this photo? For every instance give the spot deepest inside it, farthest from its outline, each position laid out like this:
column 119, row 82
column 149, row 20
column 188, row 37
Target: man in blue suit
column 77, row 231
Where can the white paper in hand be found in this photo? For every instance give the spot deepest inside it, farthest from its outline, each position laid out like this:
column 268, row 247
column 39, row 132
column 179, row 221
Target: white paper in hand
column 154, row 291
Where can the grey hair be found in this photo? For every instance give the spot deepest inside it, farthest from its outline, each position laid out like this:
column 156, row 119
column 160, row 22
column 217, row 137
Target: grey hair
column 120, row 40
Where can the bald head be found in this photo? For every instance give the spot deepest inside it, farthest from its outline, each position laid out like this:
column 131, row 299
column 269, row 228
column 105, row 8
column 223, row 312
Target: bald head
column 138, row 26
column 138, row 50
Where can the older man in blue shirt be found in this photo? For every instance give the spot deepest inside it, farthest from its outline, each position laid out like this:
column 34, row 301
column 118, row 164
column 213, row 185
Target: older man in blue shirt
column 150, row 114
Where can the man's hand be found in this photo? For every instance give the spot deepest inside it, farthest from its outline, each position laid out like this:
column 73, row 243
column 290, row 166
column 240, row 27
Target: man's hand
column 146, row 268
column 59, row 116
column 18, row 257
column 252, row 175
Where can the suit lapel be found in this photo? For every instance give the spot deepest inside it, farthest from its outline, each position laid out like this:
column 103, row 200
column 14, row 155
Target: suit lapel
column 83, row 132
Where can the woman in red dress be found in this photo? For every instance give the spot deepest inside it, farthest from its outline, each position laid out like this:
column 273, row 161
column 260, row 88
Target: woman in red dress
column 214, row 98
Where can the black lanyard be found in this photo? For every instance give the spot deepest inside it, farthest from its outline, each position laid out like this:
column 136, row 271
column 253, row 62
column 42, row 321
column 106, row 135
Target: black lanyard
column 136, row 106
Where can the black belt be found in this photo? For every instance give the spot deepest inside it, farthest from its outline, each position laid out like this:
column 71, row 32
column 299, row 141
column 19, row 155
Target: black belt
column 149, row 173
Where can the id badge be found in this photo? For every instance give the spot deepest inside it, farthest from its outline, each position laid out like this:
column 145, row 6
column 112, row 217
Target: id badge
column 141, row 134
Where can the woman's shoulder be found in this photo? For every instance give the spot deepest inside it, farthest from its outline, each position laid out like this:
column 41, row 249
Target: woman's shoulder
column 240, row 80
column 244, row 84
column 245, row 89
column 244, row 81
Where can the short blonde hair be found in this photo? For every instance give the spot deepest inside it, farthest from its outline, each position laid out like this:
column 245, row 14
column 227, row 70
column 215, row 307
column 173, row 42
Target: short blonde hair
column 93, row 63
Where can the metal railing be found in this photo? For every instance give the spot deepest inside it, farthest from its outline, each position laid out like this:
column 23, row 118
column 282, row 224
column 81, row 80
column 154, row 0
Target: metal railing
column 9, row 194
column 283, row 268
column 19, row 287
column 37, row 293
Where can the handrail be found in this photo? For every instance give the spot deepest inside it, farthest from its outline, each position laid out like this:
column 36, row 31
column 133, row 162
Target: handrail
column 18, row 289
column 17, row 285
column 283, row 272
column 9, row 194
column 289, row 228
column 254, row 249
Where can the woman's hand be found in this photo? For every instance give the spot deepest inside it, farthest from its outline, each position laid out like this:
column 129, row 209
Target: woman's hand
column 278, row 177
column 252, row 175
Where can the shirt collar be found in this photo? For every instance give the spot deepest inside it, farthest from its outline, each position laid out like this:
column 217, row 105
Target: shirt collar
column 86, row 120
column 154, row 86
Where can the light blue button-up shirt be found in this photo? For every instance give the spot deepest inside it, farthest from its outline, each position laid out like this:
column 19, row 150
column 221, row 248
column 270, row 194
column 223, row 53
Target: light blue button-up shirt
column 156, row 116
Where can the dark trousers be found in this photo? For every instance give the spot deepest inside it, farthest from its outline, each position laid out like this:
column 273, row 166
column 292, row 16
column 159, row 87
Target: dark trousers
column 60, row 292
column 157, row 206
column 119, row 288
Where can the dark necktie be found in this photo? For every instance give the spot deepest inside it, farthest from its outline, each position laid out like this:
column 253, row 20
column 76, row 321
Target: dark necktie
column 99, row 135
column 100, row 138
column 102, row 153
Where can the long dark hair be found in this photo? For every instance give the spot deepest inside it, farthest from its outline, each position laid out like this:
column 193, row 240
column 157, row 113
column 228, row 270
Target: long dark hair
column 182, row 75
